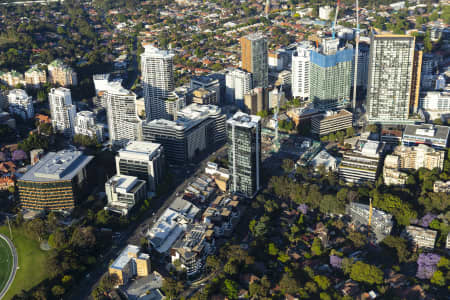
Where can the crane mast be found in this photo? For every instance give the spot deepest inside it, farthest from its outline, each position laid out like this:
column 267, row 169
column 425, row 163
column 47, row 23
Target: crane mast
column 355, row 75
column 335, row 19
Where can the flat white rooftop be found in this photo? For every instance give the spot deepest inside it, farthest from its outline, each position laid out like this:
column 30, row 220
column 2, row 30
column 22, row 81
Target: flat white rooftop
column 244, row 120
column 62, row 165
column 140, row 150
column 123, row 259
column 123, row 183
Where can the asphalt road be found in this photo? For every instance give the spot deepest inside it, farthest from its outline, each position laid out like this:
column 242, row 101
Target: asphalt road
column 134, row 233
column 14, row 266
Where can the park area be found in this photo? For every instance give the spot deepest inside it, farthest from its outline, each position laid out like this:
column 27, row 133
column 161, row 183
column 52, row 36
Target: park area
column 32, row 262
column 6, row 261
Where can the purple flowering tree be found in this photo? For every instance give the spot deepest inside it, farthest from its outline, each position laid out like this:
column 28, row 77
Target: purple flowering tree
column 426, row 220
column 335, row 261
column 303, row 208
column 427, row 265
column 19, row 155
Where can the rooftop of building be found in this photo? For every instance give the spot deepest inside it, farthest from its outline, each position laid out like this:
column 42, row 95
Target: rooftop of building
column 376, row 213
column 101, row 76
column 152, row 51
column 165, row 231
column 333, row 114
column 34, row 68
column 427, row 131
column 244, row 120
column 123, row 183
column 188, row 117
column 115, row 87
column 86, row 114
column 18, row 93
column 60, row 91
column 203, row 79
column 254, row 36
column 55, row 166
column 122, row 260
column 140, row 150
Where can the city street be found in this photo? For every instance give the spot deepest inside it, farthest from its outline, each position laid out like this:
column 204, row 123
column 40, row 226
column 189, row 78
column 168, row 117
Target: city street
column 135, row 231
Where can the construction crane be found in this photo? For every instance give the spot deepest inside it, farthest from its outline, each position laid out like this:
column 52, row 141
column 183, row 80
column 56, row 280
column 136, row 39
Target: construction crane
column 355, row 75
column 333, row 32
column 276, row 143
column 370, row 212
column 267, row 9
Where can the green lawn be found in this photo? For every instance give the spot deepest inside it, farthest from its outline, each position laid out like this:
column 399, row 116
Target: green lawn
column 6, row 261
column 32, row 262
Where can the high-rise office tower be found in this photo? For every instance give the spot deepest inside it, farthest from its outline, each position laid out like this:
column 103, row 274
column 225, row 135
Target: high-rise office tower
column 144, row 160
column 157, row 80
column 62, row 111
column 238, row 83
column 244, row 153
column 363, row 65
column 331, row 75
column 390, row 76
column 255, row 58
column 123, row 122
column 300, row 70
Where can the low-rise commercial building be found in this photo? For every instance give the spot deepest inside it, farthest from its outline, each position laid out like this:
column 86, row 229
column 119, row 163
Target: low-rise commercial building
column 56, row 182
column 144, row 160
column 197, row 128
column 433, row 135
column 325, row 159
column 362, row 163
column 302, row 115
column 331, row 121
column 421, row 237
column 130, row 263
column 123, row 192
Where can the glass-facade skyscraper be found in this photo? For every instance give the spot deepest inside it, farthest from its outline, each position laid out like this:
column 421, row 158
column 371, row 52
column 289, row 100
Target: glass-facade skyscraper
column 390, row 76
column 331, row 75
column 255, row 58
column 244, row 153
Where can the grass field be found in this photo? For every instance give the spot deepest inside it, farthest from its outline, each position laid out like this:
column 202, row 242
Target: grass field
column 6, row 261
column 32, row 262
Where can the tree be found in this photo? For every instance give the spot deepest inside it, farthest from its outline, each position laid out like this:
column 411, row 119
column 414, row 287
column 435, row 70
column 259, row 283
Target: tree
column 438, row 278
column 230, row 289
column 288, row 165
column 288, row 284
column 36, row 228
column 322, row 282
column 358, row 239
column 58, row 290
column 317, row 248
column 213, row 262
column 83, row 237
column 399, row 245
column 172, row 288
column 350, row 131
column 363, row 272
column 57, row 239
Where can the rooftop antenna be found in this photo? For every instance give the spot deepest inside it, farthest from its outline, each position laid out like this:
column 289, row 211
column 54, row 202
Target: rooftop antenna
column 355, row 75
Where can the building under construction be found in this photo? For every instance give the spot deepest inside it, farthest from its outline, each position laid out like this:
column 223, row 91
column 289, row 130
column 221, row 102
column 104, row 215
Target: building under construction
column 380, row 223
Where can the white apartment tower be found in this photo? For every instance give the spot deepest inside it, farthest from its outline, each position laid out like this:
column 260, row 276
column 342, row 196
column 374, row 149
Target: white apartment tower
column 238, row 83
column 63, row 112
column 300, row 70
column 20, row 104
column 85, row 125
column 157, row 80
column 124, row 124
